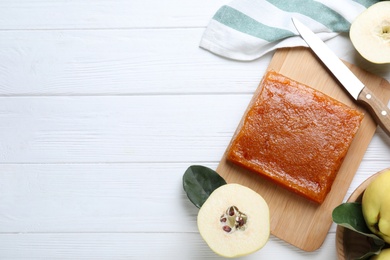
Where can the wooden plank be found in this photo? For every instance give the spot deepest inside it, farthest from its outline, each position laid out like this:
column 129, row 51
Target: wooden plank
column 137, row 246
column 118, row 62
column 95, row 198
column 103, row 197
column 293, row 218
column 63, row 14
column 161, row 128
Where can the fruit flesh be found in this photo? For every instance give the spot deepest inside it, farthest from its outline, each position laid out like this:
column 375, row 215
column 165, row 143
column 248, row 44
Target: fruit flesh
column 243, row 241
column 370, row 33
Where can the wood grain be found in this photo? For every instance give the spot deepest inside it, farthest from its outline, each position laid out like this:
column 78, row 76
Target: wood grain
column 135, row 246
column 118, row 62
column 294, row 219
column 156, row 128
column 64, row 14
column 379, row 111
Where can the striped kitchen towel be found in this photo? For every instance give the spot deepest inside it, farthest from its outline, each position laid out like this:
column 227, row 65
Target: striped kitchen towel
column 248, row 29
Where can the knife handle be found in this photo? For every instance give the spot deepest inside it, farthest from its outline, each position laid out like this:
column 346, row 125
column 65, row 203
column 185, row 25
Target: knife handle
column 380, row 111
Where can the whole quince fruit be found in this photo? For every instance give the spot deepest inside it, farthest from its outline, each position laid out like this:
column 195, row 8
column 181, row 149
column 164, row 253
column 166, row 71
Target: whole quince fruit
column 376, row 205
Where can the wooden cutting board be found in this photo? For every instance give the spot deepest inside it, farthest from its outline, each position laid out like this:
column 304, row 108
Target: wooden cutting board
column 294, row 219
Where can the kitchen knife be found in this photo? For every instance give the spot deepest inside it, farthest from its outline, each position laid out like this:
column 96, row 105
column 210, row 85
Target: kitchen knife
column 352, row 84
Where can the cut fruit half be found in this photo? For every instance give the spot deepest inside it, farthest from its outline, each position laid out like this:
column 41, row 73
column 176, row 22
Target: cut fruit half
column 234, row 221
column 370, row 33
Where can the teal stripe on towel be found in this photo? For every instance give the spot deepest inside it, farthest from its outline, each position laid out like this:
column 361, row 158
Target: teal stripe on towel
column 316, row 11
column 243, row 23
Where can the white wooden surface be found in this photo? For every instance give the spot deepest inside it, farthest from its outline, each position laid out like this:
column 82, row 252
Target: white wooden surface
column 103, row 106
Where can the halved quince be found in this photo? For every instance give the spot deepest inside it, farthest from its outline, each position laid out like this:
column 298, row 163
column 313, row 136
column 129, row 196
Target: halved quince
column 370, row 33
column 234, row 221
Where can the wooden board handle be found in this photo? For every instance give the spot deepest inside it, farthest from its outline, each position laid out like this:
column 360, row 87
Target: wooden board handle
column 380, row 112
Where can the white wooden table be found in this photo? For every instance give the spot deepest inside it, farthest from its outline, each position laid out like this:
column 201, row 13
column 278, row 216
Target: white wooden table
column 103, row 106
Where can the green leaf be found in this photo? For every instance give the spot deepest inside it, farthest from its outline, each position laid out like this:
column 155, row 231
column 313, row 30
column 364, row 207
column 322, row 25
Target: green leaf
column 199, row 182
column 350, row 215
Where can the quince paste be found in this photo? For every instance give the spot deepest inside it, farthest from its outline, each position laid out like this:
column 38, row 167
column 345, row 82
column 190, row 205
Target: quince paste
column 295, row 136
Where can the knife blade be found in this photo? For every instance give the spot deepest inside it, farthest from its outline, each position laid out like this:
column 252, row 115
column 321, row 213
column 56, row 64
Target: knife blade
column 345, row 76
